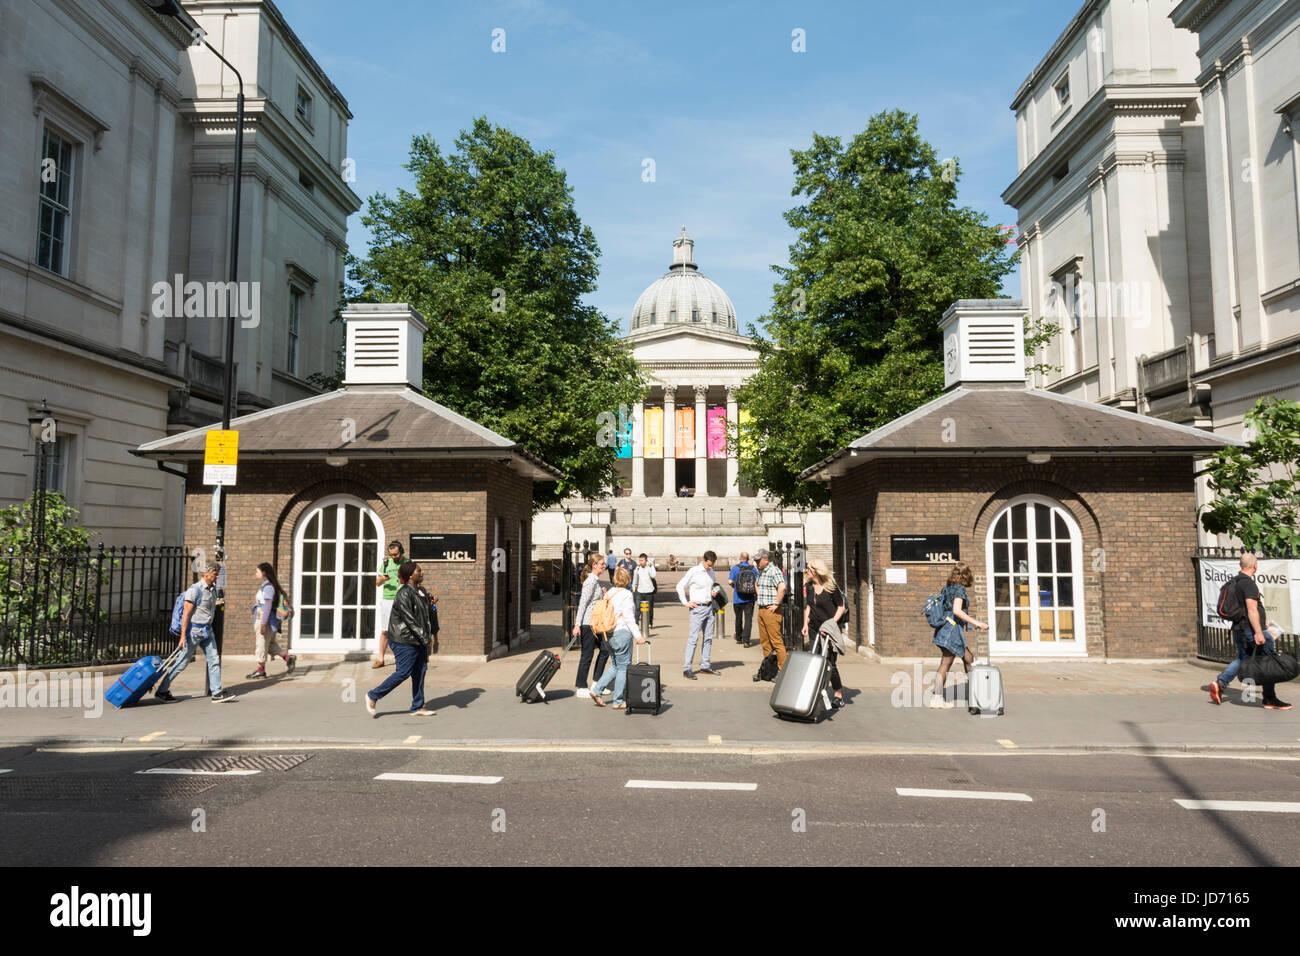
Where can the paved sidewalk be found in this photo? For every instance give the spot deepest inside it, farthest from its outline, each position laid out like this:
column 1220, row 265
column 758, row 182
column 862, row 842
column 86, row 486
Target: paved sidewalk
column 1054, row 705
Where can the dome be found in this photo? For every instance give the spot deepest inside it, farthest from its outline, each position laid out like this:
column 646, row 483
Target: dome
column 683, row 295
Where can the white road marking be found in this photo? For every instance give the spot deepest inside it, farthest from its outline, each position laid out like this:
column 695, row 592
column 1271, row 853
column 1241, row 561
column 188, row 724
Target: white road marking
column 1009, row 744
column 414, row 738
column 965, row 794
column 715, row 738
column 1258, row 806
column 181, row 771
column 437, row 778
column 6, row 771
column 686, row 785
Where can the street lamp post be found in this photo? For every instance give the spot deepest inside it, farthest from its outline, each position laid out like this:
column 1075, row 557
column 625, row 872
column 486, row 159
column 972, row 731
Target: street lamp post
column 43, row 429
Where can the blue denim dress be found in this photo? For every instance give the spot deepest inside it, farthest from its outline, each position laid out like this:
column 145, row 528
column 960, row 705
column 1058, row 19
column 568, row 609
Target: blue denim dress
column 950, row 636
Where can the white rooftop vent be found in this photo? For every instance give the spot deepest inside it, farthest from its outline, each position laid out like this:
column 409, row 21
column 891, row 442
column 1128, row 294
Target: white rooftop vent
column 385, row 345
column 983, row 342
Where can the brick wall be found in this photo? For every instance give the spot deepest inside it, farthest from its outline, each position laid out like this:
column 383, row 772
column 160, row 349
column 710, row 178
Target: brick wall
column 1136, row 515
column 409, row 497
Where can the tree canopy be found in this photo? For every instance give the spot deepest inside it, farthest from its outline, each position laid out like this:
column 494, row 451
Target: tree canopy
column 882, row 250
column 490, row 250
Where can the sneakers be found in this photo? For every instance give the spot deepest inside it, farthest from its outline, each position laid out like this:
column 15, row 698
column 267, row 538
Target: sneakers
column 164, row 695
column 291, row 661
column 370, row 706
column 689, row 675
column 709, row 670
column 258, row 674
column 940, row 703
column 1276, row 704
column 1216, row 692
column 222, row 696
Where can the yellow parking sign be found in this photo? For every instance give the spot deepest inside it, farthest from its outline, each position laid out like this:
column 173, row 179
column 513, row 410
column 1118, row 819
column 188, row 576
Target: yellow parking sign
column 220, row 457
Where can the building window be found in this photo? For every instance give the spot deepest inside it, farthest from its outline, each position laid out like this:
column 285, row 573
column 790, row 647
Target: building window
column 295, row 318
column 305, row 182
column 58, row 454
column 715, row 318
column 695, row 315
column 303, row 106
column 335, row 561
column 672, row 316
column 1062, row 89
column 1034, row 551
column 652, row 318
column 55, row 204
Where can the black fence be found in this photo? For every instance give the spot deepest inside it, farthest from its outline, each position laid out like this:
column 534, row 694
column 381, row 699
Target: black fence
column 791, row 558
column 1216, row 643
column 85, row 607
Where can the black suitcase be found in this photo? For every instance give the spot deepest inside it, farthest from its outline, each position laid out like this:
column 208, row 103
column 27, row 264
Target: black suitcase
column 644, row 691
column 532, row 686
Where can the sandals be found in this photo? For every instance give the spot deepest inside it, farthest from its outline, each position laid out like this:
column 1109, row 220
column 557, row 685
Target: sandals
column 423, row 713
column 375, row 665
column 618, row 706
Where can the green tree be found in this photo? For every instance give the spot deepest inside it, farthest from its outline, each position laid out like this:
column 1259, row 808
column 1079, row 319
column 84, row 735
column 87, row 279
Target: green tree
column 45, row 605
column 1257, row 489
column 490, row 249
column 882, row 251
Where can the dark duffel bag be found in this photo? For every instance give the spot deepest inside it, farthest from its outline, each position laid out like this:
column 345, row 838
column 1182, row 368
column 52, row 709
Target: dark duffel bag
column 767, row 669
column 1269, row 667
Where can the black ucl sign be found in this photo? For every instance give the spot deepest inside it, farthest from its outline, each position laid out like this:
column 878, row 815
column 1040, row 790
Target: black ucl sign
column 924, row 548
column 444, row 547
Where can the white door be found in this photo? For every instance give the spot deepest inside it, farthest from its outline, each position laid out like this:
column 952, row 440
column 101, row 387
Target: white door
column 336, row 558
column 1035, row 583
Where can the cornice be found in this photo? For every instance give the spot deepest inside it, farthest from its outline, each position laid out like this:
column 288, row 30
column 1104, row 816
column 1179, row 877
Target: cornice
column 44, row 90
column 1192, row 14
column 1164, row 101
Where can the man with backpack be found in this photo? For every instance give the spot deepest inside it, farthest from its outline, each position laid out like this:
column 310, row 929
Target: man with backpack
column 195, row 631
column 1239, row 601
column 744, row 590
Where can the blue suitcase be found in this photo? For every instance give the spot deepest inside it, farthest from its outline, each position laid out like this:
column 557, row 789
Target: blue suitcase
column 138, row 679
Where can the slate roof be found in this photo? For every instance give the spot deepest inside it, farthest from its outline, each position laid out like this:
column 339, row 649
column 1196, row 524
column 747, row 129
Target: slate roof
column 389, row 422
column 1000, row 421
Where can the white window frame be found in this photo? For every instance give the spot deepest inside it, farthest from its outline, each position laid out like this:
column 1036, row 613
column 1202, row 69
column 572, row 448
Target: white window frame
column 293, row 340
column 333, row 645
column 62, row 210
column 302, row 105
column 1036, row 647
column 1062, row 103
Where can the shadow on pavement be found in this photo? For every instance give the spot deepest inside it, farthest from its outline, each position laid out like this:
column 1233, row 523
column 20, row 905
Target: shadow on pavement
column 1256, row 854
column 460, row 698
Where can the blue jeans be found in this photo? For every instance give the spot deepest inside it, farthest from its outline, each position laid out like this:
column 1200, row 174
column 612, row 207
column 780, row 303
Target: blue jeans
column 413, row 662
column 1245, row 641
column 701, row 623
column 620, row 643
column 200, row 636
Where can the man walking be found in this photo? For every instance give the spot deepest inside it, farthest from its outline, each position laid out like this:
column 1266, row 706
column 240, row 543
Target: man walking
column 196, row 632
column 627, row 562
column 610, row 564
column 387, row 579
column 744, row 590
column 408, row 632
column 643, row 588
column 1247, row 632
column 695, row 590
column 770, row 588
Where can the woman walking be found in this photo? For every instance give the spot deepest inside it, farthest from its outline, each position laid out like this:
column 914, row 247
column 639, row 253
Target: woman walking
column 266, row 623
column 620, row 641
column 950, row 634
column 823, row 601
column 591, row 593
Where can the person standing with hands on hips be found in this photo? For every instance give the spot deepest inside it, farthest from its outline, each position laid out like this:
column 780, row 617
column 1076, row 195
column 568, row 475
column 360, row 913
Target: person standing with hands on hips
column 387, row 579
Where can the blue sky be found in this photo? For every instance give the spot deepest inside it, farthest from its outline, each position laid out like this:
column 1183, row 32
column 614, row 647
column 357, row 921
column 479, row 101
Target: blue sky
column 712, row 92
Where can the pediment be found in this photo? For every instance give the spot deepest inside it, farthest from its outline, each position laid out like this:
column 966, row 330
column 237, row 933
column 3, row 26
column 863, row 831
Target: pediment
column 693, row 345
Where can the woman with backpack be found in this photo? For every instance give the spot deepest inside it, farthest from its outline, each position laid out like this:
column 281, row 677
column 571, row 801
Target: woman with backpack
column 949, row 635
column 591, row 593
column 623, row 627
column 266, row 622
column 823, row 601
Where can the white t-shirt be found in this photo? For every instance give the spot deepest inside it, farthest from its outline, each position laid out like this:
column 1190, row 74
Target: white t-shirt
column 643, row 579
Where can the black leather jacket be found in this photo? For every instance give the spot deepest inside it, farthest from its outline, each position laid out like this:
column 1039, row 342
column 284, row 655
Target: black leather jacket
column 409, row 621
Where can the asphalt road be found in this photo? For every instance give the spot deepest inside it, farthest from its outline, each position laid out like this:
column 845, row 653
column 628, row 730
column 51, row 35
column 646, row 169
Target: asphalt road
column 97, row 809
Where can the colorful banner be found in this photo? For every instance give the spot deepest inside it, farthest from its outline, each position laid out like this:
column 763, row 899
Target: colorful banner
column 624, row 436
column 685, row 432
column 1279, row 589
column 654, row 433
column 746, row 442
column 717, row 424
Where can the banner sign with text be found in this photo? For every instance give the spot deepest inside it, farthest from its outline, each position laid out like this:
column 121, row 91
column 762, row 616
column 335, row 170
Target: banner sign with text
column 1279, row 588
column 717, row 424
column 685, row 432
column 654, row 432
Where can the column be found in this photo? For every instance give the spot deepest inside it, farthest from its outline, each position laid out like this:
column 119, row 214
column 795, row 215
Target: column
column 670, row 442
column 733, row 464
column 638, row 450
column 701, row 443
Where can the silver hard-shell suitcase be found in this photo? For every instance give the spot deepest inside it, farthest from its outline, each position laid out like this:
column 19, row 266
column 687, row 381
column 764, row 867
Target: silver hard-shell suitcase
column 984, row 687
column 802, row 690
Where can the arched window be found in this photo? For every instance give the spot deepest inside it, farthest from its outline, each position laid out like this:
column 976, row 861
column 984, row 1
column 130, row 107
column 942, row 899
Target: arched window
column 1034, row 555
column 335, row 561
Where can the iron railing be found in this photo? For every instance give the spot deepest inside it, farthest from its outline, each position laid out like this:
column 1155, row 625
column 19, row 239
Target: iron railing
column 85, row 607
column 1216, row 643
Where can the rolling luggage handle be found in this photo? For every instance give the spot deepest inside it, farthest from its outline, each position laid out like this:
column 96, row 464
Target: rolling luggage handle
column 636, row 659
